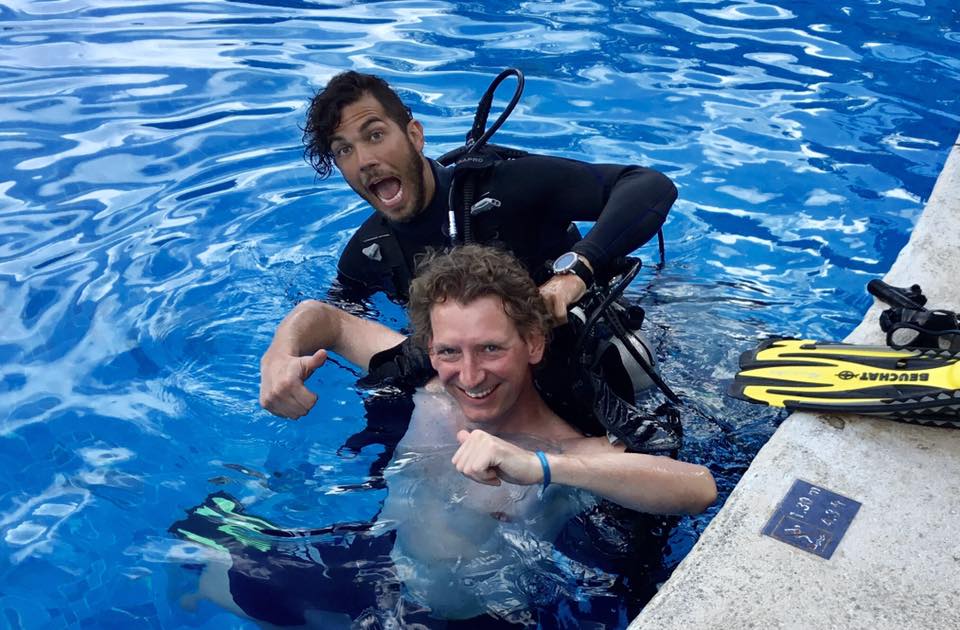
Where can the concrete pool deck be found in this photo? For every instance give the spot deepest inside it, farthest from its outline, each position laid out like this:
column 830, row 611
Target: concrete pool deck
column 898, row 565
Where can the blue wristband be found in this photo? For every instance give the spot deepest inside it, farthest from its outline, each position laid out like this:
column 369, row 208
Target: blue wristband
column 546, row 467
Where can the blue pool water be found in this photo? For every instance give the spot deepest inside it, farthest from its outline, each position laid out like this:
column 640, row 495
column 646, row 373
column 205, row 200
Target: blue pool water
column 157, row 221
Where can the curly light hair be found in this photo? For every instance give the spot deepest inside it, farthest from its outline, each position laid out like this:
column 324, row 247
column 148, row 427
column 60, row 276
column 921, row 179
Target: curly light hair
column 469, row 272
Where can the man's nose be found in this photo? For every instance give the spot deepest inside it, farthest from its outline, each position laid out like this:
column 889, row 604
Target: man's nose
column 366, row 157
column 471, row 372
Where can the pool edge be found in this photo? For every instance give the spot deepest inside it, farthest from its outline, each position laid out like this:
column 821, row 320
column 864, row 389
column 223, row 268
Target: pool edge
column 897, row 564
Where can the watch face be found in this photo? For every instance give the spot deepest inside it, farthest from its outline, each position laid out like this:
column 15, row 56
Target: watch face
column 565, row 262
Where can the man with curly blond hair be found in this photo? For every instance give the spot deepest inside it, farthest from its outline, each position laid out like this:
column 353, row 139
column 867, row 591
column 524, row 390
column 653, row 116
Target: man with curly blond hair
column 484, row 479
column 485, row 327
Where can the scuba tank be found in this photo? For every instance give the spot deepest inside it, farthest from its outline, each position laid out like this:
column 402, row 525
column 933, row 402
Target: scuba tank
column 613, row 361
column 621, row 343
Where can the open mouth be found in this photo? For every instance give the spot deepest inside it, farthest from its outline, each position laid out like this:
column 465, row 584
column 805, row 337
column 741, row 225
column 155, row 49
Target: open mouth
column 388, row 190
column 478, row 394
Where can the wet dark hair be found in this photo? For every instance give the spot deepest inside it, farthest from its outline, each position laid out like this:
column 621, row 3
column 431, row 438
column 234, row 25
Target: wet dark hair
column 323, row 115
column 467, row 273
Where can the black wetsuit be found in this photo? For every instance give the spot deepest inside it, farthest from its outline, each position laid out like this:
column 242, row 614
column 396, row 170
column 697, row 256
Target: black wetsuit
column 538, row 199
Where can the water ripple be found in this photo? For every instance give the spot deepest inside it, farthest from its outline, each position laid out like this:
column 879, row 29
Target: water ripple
column 810, row 44
column 157, row 220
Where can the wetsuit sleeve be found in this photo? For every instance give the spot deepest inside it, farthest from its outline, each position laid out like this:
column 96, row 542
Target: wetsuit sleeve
column 358, row 275
column 634, row 212
column 628, row 203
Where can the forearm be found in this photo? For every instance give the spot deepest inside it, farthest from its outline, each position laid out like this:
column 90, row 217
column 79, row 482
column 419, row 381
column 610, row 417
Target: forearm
column 646, row 483
column 312, row 325
column 315, row 325
column 628, row 204
column 633, row 213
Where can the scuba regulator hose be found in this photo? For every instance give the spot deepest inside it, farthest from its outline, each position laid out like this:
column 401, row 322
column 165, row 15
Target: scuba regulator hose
column 476, row 140
column 621, row 332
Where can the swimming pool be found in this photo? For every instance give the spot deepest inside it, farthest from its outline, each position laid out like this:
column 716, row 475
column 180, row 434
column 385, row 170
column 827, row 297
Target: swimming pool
column 156, row 222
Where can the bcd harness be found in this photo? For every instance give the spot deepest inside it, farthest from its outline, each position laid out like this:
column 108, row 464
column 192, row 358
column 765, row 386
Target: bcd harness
column 600, row 314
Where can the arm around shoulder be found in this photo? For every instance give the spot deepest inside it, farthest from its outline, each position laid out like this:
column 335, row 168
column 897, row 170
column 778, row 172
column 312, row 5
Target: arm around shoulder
column 632, row 214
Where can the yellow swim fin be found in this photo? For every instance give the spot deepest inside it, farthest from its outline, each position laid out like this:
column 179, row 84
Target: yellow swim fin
column 920, row 386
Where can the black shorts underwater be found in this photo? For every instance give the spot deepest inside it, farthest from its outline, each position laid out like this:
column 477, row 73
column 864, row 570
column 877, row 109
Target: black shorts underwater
column 342, row 576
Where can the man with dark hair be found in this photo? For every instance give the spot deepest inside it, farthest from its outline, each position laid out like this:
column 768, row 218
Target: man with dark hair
column 358, row 124
column 527, row 206
column 323, row 117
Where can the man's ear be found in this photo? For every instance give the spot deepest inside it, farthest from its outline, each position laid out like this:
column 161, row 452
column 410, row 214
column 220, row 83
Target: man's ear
column 536, row 345
column 415, row 134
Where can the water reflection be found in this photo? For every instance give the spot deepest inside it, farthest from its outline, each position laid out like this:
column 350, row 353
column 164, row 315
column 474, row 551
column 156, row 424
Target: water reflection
column 156, row 221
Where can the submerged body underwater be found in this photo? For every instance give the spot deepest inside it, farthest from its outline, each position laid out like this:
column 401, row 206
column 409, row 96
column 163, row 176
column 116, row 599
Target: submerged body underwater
column 157, row 221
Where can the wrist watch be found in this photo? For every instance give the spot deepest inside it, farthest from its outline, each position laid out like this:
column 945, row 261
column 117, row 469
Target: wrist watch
column 571, row 263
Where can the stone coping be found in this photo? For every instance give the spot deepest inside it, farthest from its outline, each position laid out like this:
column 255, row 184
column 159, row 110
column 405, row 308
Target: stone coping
column 898, row 565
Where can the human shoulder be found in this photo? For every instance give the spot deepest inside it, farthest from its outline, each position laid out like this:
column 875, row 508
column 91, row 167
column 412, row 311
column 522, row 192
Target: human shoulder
column 556, row 166
column 532, row 163
column 364, row 260
column 546, row 183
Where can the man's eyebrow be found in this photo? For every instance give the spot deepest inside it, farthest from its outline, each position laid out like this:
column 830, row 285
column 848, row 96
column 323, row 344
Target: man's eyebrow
column 369, row 121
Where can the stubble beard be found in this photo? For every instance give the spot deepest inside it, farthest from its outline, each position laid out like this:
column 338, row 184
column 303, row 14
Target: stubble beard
column 410, row 171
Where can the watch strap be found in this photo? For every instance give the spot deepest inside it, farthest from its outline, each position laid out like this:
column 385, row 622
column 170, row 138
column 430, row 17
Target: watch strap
column 580, row 269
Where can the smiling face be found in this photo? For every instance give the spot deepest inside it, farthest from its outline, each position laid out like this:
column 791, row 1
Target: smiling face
column 482, row 359
column 382, row 161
